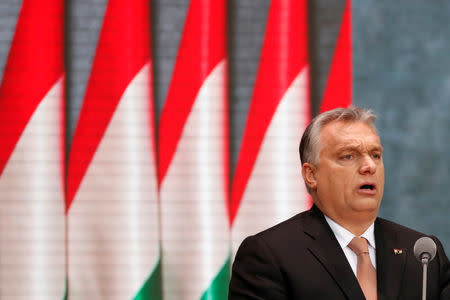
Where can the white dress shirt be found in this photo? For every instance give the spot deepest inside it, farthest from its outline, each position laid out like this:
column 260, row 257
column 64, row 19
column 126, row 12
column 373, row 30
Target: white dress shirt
column 344, row 237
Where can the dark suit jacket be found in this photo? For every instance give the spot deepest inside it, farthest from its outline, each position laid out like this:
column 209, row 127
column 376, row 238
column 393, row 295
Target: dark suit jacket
column 301, row 259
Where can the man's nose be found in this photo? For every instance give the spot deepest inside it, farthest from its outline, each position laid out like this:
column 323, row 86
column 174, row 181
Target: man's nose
column 368, row 165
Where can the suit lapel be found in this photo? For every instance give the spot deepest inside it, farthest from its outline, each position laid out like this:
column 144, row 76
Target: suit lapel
column 327, row 250
column 391, row 261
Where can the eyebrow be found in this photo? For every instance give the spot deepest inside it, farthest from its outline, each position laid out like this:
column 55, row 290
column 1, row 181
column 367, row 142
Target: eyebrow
column 357, row 147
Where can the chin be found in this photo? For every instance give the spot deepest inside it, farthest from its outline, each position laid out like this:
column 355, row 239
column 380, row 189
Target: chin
column 367, row 204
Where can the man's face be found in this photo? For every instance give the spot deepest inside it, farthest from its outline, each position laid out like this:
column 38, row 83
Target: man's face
column 350, row 172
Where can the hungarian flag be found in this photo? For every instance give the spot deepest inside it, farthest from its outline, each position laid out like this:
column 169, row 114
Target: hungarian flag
column 193, row 165
column 32, row 224
column 268, row 186
column 338, row 90
column 112, row 204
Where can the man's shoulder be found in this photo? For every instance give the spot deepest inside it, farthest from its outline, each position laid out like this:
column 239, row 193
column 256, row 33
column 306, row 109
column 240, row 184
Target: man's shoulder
column 390, row 230
column 384, row 224
column 280, row 240
column 288, row 228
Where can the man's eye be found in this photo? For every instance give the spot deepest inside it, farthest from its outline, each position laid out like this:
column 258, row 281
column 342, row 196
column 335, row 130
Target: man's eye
column 347, row 157
column 376, row 156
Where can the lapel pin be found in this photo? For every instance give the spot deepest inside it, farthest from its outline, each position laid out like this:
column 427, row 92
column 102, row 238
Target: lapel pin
column 398, row 251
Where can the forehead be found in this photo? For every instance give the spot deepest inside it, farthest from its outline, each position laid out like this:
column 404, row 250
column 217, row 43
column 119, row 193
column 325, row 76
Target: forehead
column 341, row 133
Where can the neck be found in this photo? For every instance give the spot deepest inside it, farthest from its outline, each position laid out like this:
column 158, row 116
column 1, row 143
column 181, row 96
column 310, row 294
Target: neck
column 356, row 228
column 356, row 223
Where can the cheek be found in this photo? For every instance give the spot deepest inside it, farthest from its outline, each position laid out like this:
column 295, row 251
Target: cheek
column 381, row 177
column 349, row 182
column 381, row 181
column 325, row 183
column 346, row 177
column 381, row 173
column 338, row 181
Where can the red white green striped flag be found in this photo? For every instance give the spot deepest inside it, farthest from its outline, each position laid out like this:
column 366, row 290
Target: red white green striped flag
column 338, row 91
column 32, row 225
column 267, row 186
column 193, row 165
column 113, row 225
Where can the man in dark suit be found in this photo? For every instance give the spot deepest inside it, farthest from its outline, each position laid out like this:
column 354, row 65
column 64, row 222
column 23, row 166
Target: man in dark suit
column 339, row 249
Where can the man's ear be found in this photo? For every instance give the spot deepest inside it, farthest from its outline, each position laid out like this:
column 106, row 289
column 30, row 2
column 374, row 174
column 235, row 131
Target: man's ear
column 309, row 175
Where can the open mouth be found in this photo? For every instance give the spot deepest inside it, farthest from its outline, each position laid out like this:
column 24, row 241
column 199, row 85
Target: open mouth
column 370, row 187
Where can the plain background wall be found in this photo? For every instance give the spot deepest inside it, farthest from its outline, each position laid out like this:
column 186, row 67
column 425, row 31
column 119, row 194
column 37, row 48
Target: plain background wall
column 401, row 69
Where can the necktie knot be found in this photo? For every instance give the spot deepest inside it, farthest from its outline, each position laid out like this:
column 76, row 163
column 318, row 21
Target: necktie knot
column 359, row 245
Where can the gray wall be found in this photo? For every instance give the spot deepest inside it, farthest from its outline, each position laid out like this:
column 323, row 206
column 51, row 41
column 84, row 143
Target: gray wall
column 401, row 70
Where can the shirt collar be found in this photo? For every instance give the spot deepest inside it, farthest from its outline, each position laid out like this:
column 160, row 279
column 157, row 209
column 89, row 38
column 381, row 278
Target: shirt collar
column 344, row 236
